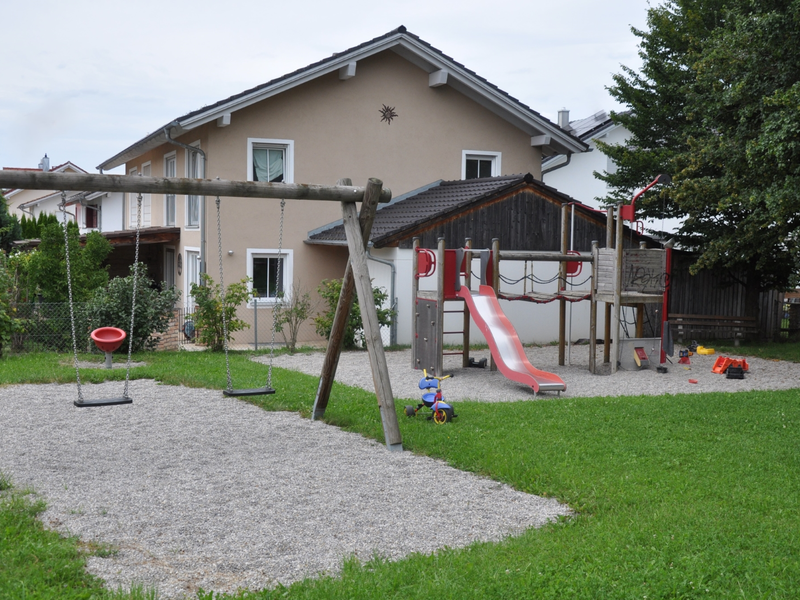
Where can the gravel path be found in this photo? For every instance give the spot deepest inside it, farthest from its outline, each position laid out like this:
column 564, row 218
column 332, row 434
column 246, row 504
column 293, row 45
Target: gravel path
column 487, row 386
column 200, row 491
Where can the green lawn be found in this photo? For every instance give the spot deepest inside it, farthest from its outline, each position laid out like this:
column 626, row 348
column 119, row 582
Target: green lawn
column 691, row 496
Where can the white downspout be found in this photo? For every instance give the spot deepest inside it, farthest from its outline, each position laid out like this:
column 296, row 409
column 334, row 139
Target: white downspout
column 393, row 299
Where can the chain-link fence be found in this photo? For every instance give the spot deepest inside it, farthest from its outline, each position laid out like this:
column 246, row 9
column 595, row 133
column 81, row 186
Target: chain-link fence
column 258, row 332
column 45, row 327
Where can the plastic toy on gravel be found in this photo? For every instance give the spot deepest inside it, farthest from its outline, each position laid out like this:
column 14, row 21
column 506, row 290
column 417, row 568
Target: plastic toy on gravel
column 432, row 398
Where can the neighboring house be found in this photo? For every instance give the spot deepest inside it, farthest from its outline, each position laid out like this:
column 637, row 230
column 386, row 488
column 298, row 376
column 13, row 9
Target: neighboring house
column 395, row 108
column 573, row 174
column 95, row 211
column 522, row 212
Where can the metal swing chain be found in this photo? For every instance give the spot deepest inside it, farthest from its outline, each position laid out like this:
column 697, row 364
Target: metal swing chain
column 279, row 298
column 63, row 208
column 224, row 298
column 133, row 301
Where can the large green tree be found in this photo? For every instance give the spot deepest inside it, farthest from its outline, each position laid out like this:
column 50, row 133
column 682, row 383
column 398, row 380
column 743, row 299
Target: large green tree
column 717, row 105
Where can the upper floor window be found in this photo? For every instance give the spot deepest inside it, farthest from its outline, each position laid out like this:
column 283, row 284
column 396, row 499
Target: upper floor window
column 475, row 164
column 91, row 213
column 169, row 199
column 195, row 169
column 270, row 160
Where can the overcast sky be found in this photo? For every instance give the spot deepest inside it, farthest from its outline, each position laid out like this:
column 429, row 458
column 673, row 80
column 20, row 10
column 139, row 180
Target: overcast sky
column 83, row 80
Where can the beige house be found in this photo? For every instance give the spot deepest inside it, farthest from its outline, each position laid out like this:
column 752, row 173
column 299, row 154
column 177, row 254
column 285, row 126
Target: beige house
column 394, row 108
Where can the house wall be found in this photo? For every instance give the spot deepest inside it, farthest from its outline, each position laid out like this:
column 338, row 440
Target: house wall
column 111, row 216
column 337, row 132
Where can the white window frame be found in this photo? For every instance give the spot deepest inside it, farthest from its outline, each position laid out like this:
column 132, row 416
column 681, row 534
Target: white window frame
column 286, row 145
column 287, row 270
column 147, row 213
column 495, row 157
column 131, row 201
column 170, row 156
column 189, row 303
column 202, row 168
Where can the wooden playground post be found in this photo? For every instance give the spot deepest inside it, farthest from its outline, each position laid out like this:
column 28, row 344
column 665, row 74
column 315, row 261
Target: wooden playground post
column 593, row 313
column 414, row 293
column 640, row 308
column 495, row 283
column 467, row 282
column 617, row 290
column 607, row 307
column 440, row 258
column 562, row 285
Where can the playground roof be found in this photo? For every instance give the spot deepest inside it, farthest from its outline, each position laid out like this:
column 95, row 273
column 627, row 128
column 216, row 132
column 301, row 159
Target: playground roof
column 439, row 202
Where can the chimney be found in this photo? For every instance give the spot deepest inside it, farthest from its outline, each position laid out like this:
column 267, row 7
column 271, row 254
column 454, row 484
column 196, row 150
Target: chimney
column 563, row 119
column 45, row 164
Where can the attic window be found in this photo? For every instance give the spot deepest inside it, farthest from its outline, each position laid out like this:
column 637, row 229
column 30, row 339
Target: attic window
column 480, row 164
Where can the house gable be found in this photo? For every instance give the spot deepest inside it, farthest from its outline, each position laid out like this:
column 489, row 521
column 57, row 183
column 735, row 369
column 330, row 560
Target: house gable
column 441, row 72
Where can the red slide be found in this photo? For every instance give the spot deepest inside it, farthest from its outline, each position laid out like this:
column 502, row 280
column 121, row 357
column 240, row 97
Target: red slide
column 503, row 340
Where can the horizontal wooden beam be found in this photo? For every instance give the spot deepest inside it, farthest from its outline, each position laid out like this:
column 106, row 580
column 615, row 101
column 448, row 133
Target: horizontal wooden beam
column 78, row 182
column 543, row 256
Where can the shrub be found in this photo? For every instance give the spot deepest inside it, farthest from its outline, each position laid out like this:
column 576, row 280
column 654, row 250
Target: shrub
column 47, row 266
column 207, row 315
column 9, row 323
column 291, row 314
column 329, row 290
column 111, row 307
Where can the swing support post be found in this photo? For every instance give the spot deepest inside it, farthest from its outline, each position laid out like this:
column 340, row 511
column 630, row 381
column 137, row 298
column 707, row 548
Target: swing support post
column 356, row 278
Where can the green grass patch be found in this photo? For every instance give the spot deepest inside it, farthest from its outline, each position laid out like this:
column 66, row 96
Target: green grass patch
column 770, row 350
column 37, row 563
column 689, row 496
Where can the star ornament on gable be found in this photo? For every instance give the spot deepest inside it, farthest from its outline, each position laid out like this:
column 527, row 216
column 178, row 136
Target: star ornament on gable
column 387, row 114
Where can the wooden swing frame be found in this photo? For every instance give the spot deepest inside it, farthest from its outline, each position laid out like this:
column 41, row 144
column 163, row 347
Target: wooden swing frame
column 356, row 278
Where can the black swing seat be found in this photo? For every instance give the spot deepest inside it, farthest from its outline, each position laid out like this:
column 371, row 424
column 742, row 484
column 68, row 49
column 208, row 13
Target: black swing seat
column 103, row 402
column 251, row 392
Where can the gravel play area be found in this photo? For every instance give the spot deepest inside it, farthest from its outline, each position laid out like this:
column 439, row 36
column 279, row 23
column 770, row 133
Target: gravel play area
column 193, row 490
column 491, row 386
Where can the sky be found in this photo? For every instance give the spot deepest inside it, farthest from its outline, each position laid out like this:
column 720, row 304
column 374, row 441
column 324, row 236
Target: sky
column 82, row 80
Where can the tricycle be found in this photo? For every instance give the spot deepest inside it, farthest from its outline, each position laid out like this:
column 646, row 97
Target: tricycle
column 432, row 398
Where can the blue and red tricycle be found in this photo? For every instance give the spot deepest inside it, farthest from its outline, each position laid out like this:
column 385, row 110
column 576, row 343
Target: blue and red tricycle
column 441, row 411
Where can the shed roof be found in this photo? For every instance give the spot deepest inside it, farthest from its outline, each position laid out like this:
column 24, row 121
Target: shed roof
column 418, row 209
